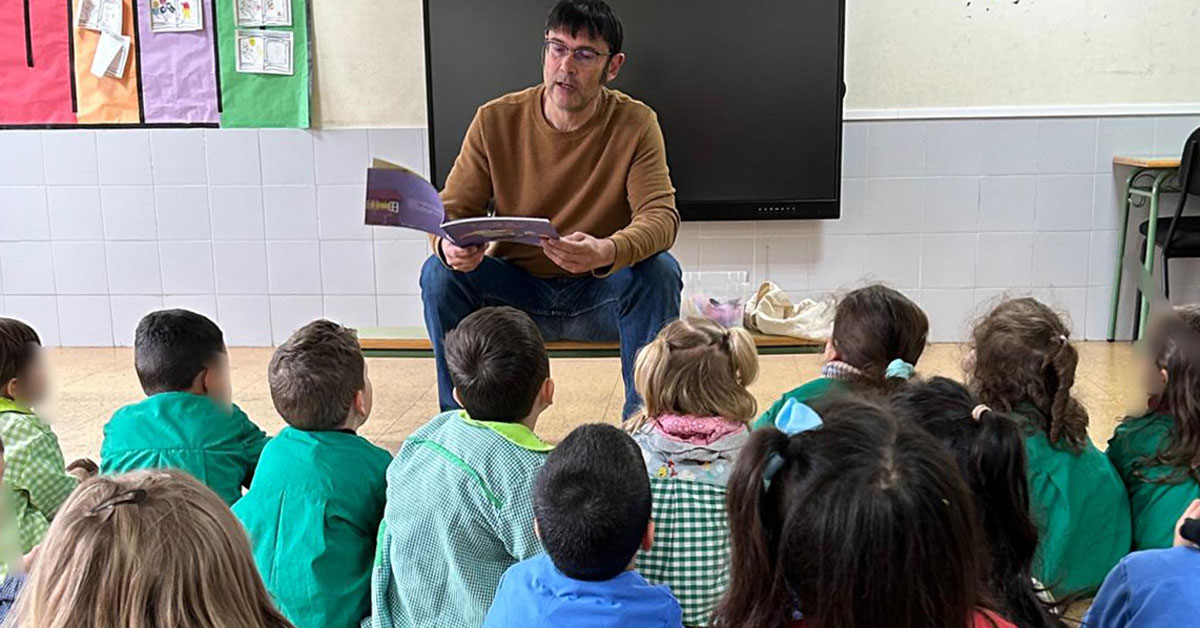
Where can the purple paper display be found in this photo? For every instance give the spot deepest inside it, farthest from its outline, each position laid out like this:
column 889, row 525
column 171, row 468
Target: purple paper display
column 179, row 74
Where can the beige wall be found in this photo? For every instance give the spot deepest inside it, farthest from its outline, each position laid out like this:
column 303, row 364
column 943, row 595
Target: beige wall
column 922, row 54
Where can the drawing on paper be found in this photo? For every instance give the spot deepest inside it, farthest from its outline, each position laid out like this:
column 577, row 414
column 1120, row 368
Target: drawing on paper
column 264, row 12
column 264, row 52
column 173, row 16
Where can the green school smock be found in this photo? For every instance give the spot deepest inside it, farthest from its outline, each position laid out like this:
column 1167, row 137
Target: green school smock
column 179, row 430
column 312, row 514
column 817, row 388
column 1155, row 504
column 1080, row 509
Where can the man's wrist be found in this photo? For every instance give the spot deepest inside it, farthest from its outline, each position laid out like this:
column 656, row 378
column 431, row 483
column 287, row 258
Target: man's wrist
column 610, row 252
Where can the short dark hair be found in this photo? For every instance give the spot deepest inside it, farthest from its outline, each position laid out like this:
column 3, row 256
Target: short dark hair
column 315, row 374
column 18, row 346
column 498, row 363
column 172, row 347
column 592, row 502
column 594, row 15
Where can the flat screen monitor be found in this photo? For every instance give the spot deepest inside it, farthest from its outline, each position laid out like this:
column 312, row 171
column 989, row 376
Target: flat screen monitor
column 748, row 93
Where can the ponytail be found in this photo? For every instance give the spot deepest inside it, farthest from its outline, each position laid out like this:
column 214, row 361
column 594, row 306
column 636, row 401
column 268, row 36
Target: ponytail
column 990, row 451
column 757, row 594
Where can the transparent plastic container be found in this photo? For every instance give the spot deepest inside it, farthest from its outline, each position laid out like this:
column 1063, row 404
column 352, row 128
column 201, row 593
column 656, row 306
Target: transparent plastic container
column 720, row 296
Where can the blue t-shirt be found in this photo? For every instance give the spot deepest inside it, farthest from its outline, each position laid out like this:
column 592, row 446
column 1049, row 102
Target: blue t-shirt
column 1151, row 589
column 534, row 593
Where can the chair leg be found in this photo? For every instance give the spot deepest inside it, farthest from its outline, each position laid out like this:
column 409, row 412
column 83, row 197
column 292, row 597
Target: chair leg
column 1137, row 299
column 1166, row 276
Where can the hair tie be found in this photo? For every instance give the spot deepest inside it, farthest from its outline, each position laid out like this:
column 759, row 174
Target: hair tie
column 900, row 369
column 774, row 463
column 977, row 413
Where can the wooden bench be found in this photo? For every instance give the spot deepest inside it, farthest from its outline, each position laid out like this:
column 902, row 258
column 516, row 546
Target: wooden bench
column 412, row 342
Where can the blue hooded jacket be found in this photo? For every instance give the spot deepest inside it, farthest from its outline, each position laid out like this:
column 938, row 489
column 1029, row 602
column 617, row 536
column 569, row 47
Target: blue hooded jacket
column 535, row 594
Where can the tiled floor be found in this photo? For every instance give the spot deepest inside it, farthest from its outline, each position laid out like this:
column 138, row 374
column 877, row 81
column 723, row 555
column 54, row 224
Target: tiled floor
column 91, row 383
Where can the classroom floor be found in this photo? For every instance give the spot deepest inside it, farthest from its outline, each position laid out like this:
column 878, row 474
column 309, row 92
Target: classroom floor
column 90, row 383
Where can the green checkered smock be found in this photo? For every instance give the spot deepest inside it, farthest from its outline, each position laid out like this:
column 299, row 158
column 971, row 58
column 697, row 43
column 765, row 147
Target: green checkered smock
column 691, row 545
column 35, row 471
column 459, row 513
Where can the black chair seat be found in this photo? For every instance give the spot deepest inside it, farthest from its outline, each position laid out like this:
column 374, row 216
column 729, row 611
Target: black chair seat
column 1187, row 235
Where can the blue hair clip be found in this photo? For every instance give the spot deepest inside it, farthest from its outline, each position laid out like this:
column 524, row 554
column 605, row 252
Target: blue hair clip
column 899, row 368
column 795, row 417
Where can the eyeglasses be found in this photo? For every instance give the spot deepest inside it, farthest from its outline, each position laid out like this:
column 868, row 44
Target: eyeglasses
column 584, row 56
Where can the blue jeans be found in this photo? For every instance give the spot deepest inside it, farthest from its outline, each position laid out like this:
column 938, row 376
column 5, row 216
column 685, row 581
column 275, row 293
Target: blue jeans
column 631, row 306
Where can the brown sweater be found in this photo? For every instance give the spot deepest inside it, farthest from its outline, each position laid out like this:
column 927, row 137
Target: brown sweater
column 607, row 178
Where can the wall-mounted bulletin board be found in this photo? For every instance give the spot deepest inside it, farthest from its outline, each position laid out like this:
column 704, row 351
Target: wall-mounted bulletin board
column 119, row 63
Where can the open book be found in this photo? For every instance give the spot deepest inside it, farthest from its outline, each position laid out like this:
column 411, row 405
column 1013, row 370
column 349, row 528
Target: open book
column 399, row 197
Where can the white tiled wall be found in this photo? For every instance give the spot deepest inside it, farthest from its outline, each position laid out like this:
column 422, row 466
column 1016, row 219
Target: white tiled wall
column 262, row 230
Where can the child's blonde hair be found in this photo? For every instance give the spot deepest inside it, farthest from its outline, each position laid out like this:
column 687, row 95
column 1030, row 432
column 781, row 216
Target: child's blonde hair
column 149, row 549
column 696, row 367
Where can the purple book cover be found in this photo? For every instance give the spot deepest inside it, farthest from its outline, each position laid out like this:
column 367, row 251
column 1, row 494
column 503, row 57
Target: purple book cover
column 398, row 197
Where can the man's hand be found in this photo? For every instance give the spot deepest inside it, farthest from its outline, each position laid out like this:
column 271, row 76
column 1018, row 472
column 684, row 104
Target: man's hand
column 463, row 259
column 580, row 253
column 1192, row 512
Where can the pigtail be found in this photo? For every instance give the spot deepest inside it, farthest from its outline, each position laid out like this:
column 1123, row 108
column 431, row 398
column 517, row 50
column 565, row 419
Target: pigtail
column 757, row 594
column 1068, row 419
column 651, row 362
column 744, row 354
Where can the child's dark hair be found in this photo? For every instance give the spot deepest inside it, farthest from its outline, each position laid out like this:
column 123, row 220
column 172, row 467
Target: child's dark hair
column 594, row 16
column 1022, row 354
column 592, row 502
column 1175, row 341
column 18, row 346
column 990, row 451
column 172, row 347
column 498, row 363
column 315, row 374
column 874, row 326
column 864, row 521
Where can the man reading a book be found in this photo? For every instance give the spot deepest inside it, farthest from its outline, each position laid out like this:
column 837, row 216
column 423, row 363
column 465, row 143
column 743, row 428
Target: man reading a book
column 591, row 160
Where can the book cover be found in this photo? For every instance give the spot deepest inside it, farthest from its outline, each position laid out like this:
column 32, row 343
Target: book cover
column 399, row 197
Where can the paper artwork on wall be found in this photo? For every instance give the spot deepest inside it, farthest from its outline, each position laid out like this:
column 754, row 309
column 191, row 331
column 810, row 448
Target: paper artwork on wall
column 100, row 15
column 264, row 52
column 112, row 55
column 264, row 12
column 176, row 16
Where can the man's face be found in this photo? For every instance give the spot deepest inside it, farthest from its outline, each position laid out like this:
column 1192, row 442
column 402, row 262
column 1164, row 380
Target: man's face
column 574, row 67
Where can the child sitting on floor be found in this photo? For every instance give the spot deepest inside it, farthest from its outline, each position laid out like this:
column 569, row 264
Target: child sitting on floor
column 187, row 420
column 1157, row 588
column 149, row 548
column 990, row 452
column 692, row 379
column 36, row 475
column 592, row 506
column 313, row 509
column 878, row 336
column 862, row 521
column 1158, row 453
column 459, row 493
column 1022, row 363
